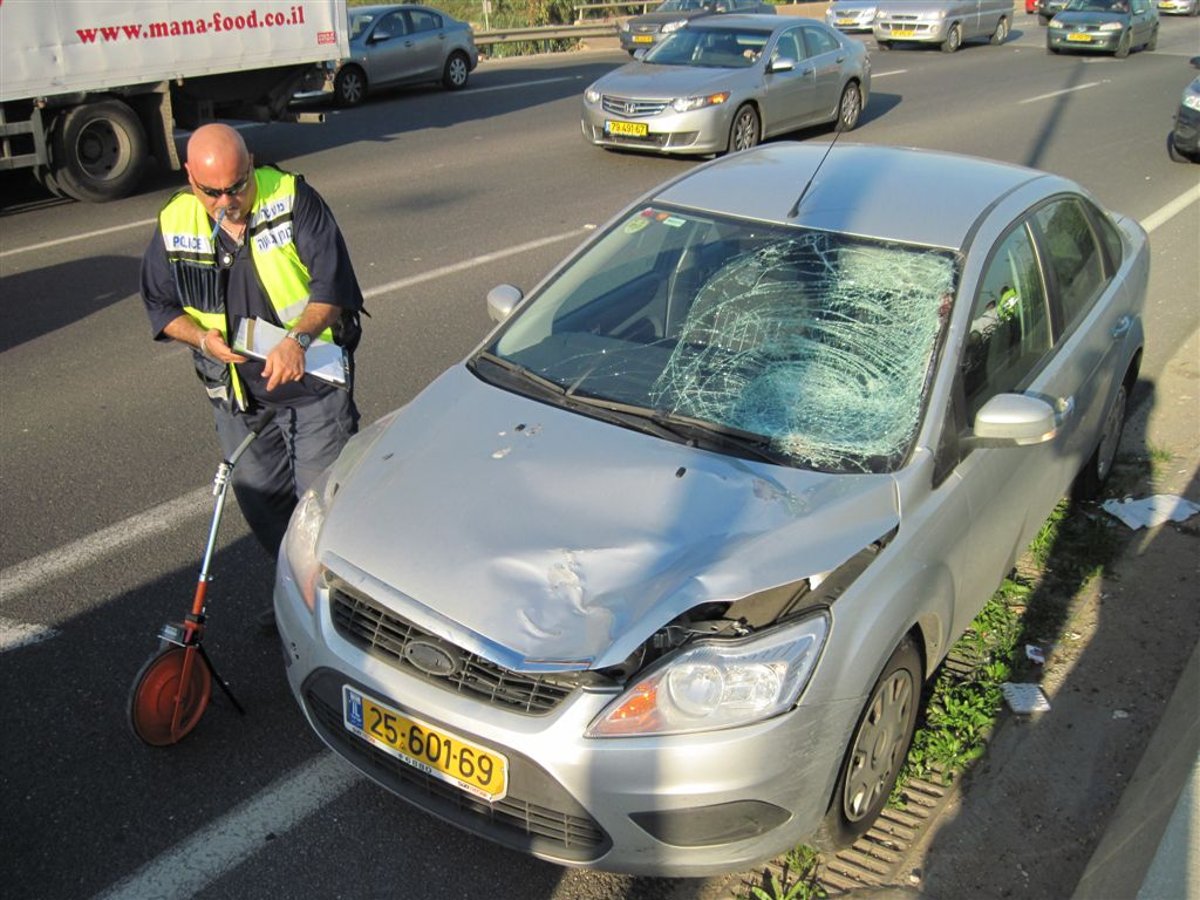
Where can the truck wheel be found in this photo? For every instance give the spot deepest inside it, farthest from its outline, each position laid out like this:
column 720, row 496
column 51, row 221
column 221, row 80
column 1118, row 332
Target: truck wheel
column 953, row 39
column 457, row 70
column 350, row 86
column 99, row 151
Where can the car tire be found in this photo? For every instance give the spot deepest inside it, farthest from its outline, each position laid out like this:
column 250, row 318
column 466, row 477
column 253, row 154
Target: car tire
column 1000, row 35
column 849, row 107
column 1152, row 44
column 456, row 71
column 1123, row 46
column 1090, row 480
column 98, row 151
column 884, row 45
column 953, row 39
column 350, row 86
column 877, row 750
column 1174, row 152
column 1053, row 50
column 746, row 130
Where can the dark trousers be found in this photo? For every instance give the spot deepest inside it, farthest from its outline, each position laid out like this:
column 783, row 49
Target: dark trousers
column 296, row 446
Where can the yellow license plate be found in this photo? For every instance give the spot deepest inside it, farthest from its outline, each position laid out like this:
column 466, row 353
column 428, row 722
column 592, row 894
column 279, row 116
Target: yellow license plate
column 643, row 39
column 632, row 129
column 902, row 32
column 435, row 752
column 845, row 21
column 1086, row 38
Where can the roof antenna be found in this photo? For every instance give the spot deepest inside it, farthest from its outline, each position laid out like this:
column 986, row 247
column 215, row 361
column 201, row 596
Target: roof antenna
column 796, row 206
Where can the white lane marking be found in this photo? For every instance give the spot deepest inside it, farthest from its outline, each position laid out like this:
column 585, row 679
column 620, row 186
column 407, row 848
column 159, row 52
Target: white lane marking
column 875, row 75
column 474, row 261
column 509, row 87
column 77, row 237
column 1070, row 90
column 1171, row 210
column 41, row 569
column 190, row 866
column 18, row 634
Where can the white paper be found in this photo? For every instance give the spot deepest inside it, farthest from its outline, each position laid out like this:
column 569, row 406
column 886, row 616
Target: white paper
column 1150, row 511
column 1025, row 698
column 325, row 360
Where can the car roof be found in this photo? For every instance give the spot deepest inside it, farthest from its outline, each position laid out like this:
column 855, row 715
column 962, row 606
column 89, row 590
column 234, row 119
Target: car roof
column 733, row 21
column 891, row 193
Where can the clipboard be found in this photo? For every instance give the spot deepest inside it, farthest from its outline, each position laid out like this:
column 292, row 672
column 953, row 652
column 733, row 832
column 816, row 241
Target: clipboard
column 325, row 360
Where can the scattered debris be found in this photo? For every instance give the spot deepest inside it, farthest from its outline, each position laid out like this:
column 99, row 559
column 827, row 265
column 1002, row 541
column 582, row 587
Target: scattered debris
column 1025, row 698
column 1120, row 714
column 1034, row 653
column 1151, row 511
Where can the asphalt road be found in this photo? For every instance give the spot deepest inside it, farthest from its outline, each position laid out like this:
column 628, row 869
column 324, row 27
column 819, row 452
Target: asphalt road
column 106, row 445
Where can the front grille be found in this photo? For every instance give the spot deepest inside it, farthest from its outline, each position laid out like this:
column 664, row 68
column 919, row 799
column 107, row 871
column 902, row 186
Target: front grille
column 382, row 633
column 537, row 815
column 644, row 29
column 637, row 109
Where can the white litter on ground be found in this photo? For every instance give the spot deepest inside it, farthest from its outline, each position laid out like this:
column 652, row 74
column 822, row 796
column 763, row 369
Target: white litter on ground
column 1151, row 511
column 1025, row 698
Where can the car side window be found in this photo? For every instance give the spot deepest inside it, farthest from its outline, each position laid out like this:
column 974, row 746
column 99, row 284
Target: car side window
column 789, row 47
column 818, row 42
column 1074, row 261
column 390, row 26
column 423, row 21
column 1010, row 330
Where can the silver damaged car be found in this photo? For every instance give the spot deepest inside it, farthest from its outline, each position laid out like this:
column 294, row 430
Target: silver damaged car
column 651, row 581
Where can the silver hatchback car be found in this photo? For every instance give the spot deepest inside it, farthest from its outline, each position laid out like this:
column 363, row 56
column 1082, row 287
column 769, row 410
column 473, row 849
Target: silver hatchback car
column 652, row 580
column 724, row 83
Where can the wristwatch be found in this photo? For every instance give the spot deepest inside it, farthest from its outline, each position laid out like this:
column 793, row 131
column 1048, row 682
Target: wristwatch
column 303, row 338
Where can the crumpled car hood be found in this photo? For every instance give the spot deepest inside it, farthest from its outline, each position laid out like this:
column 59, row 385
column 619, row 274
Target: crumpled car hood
column 542, row 539
column 644, row 80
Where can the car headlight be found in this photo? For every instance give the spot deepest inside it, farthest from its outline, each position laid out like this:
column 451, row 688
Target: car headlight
column 625, row 26
column 687, row 104
column 1192, row 101
column 1111, row 26
column 591, row 95
column 673, row 26
column 939, row 14
column 715, row 684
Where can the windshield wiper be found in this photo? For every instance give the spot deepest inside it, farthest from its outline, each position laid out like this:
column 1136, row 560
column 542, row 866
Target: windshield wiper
column 528, row 376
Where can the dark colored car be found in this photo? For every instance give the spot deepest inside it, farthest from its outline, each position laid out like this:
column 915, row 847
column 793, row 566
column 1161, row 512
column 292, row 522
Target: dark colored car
column 1104, row 26
column 1047, row 9
column 648, row 29
column 1184, row 142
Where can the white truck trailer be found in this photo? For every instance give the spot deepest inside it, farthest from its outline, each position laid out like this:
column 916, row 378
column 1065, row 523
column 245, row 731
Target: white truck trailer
column 91, row 89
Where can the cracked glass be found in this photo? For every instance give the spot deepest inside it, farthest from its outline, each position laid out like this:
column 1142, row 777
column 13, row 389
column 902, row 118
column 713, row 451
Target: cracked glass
column 820, row 345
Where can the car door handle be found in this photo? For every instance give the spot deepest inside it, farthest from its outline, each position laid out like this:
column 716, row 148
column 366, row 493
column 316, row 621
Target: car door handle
column 1122, row 327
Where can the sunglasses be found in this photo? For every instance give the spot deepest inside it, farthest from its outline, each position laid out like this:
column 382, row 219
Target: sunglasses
column 232, row 190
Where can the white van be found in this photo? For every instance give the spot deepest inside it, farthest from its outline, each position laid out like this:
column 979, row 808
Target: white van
column 944, row 22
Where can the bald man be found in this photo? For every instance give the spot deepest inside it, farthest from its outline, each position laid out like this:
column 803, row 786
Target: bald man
column 246, row 242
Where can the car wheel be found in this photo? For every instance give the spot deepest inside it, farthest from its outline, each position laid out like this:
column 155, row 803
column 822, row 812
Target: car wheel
column 1091, row 478
column 350, row 86
column 1174, row 152
column 745, row 132
column 457, row 70
column 1152, row 44
column 1000, row 35
column 877, row 750
column 849, row 107
column 1122, row 50
column 953, row 39
column 1053, row 50
column 884, row 45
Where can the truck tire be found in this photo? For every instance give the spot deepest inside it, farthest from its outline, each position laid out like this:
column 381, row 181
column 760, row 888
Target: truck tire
column 98, row 151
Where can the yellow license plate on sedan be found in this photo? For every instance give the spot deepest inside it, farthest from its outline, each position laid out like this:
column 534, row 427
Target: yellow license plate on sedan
column 902, row 32
column 1085, row 38
column 631, row 129
column 643, row 39
column 434, row 751
column 845, row 21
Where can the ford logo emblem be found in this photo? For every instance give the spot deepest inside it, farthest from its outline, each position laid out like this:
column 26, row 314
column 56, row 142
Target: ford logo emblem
column 431, row 658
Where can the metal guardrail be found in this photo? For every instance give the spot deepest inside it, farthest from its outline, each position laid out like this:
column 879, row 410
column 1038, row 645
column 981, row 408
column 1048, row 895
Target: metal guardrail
column 544, row 33
column 642, row 7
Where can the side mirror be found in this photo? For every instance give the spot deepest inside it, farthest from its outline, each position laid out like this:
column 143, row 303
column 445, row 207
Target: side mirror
column 502, row 300
column 781, row 64
column 1013, row 420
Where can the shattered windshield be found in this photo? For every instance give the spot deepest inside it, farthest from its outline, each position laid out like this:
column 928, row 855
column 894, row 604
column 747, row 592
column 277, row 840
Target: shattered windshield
column 819, row 343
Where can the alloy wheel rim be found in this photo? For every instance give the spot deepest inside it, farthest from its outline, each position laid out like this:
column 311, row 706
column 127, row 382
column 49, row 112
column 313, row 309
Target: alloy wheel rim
column 879, row 745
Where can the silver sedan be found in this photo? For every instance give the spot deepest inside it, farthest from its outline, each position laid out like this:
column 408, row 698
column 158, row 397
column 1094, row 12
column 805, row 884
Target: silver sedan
column 724, row 85
column 651, row 581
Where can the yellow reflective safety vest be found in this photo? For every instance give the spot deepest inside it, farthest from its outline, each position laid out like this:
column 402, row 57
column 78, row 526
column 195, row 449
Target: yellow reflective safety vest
column 192, row 247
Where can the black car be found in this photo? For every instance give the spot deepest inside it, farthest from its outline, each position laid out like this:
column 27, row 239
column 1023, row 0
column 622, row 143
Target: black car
column 648, row 29
column 1184, row 142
